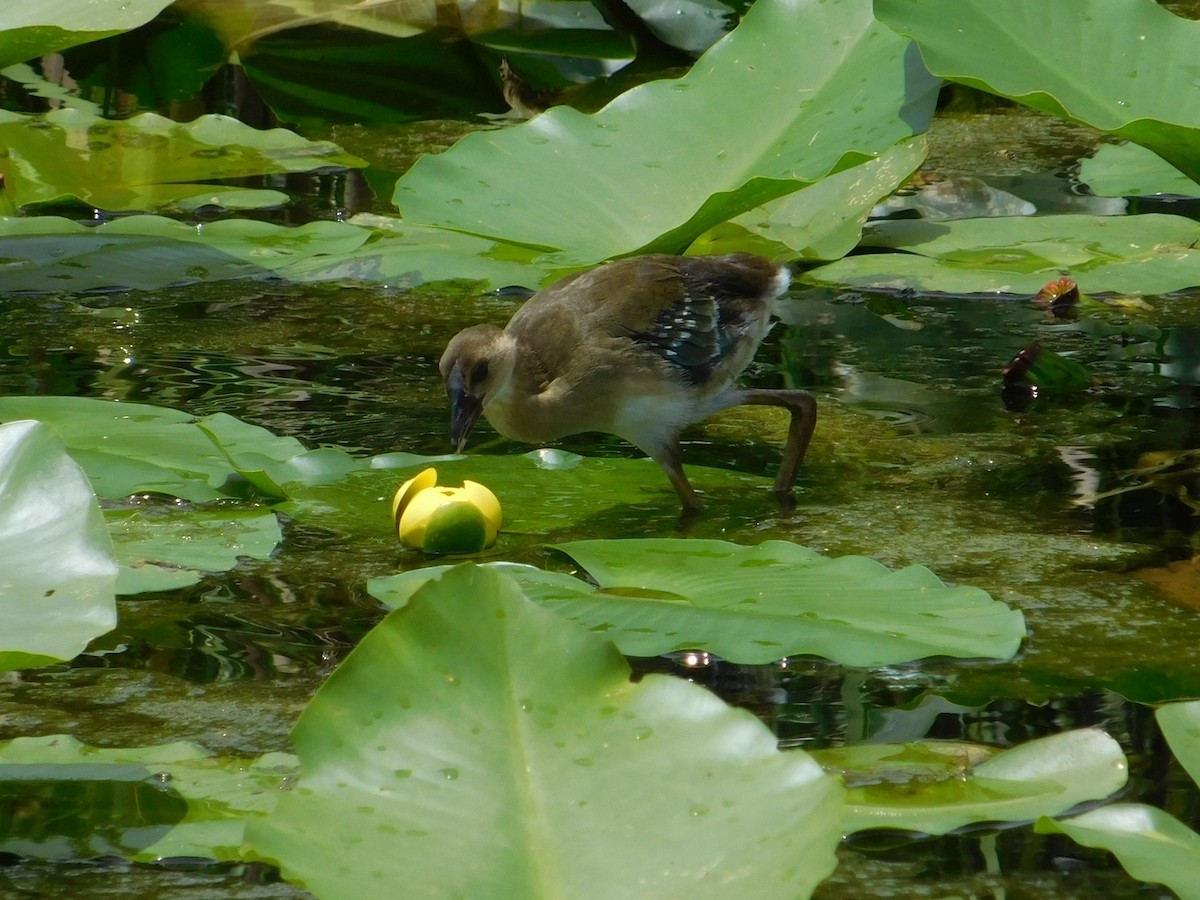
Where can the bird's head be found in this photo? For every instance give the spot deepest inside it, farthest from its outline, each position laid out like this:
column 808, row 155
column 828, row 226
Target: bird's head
column 476, row 361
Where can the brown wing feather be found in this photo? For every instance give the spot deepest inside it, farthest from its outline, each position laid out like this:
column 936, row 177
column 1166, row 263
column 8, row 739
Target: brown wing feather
column 687, row 313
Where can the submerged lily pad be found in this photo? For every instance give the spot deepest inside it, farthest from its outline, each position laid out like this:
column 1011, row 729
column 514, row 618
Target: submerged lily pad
column 544, row 493
column 144, row 162
column 512, row 756
column 162, row 548
column 57, row 574
column 46, row 253
column 936, row 789
column 1124, row 66
column 758, row 604
column 592, row 187
column 1149, row 254
column 138, row 803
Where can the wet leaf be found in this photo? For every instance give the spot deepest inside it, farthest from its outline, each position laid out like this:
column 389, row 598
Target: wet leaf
column 1059, row 297
column 1134, row 80
column 144, row 162
column 137, row 803
column 591, row 187
column 32, row 30
column 759, row 604
column 1130, row 170
column 133, row 448
column 46, row 253
column 166, row 547
column 57, row 574
column 936, row 788
column 692, row 26
column 821, row 221
column 1046, row 370
column 239, row 199
column 1151, row 845
column 511, row 756
column 1148, row 254
column 545, row 494
column 1180, row 724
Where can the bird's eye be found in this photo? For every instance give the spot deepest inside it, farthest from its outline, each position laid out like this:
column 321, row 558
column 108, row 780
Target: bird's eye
column 480, row 372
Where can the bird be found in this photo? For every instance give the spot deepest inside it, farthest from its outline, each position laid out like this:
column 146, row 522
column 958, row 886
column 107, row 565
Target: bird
column 639, row 347
column 524, row 99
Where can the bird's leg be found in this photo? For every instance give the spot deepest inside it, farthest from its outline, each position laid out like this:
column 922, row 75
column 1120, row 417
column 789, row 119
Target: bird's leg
column 671, row 461
column 803, row 407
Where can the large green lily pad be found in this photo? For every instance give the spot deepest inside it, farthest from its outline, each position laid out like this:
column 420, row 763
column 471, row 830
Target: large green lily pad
column 758, row 604
column 144, row 162
column 32, row 30
column 57, row 573
column 511, row 756
column 1149, row 254
column 764, row 113
column 1124, row 66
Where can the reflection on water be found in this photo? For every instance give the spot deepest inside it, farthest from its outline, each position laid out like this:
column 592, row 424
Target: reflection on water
column 912, row 409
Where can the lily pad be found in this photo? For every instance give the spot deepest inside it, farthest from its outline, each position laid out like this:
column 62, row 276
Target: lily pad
column 764, row 113
column 166, row 547
column 694, row 25
column 228, row 200
column 31, row 30
column 512, row 756
column 144, row 162
column 937, row 788
column 1180, row 723
column 821, row 221
column 758, row 604
column 57, row 573
column 1130, row 170
column 1151, row 845
column 139, row 803
column 46, row 253
column 1149, row 254
column 543, row 493
column 1124, row 66
column 133, row 448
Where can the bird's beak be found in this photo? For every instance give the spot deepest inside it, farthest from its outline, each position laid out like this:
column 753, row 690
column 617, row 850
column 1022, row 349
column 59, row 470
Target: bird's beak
column 464, row 409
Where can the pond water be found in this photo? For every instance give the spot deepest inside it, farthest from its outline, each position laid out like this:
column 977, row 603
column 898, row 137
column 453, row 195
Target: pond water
column 919, row 456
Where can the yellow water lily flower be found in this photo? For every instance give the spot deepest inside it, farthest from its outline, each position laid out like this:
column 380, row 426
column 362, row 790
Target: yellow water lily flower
column 439, row 519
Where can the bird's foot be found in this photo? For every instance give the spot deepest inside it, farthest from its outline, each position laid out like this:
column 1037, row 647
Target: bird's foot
column 786, row 499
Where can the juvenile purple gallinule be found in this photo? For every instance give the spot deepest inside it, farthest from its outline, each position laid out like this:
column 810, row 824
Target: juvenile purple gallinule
column 640, row 348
